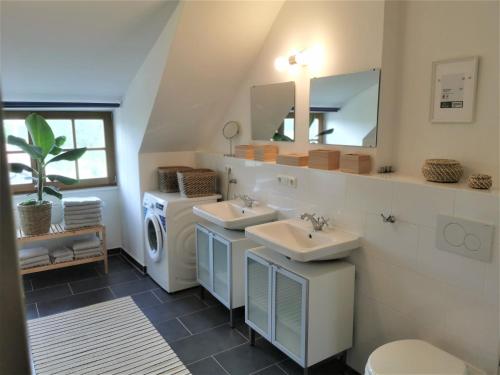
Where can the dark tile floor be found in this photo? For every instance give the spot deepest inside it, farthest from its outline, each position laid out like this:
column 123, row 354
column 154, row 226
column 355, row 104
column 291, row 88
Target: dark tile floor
column 198, row 330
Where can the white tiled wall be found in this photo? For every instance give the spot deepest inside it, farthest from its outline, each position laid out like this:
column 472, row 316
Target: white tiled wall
column 405, row 287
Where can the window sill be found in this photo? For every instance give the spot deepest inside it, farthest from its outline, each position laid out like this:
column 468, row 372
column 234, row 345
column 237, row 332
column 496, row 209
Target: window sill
column 76, row 190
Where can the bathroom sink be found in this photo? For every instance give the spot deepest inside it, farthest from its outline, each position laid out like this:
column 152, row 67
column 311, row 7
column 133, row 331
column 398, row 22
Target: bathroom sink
column 296, row 239
column 234, row 215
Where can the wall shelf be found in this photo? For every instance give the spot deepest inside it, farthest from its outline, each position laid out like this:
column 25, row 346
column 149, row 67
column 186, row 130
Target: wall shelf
column 392, row 177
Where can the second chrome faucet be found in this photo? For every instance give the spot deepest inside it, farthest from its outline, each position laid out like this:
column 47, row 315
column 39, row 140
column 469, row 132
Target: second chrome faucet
column 318, row 222
column 247, row 200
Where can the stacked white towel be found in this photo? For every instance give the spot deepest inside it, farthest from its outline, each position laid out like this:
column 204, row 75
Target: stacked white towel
column 82, row 212
column 34, row 257
column 86, row 248
column 61, row 254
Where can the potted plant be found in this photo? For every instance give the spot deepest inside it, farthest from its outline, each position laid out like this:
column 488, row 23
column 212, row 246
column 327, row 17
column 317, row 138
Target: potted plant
column 35, row 214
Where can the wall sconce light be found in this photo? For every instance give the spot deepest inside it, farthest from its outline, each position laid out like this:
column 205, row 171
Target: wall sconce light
column 307, row 57
column 298, row 58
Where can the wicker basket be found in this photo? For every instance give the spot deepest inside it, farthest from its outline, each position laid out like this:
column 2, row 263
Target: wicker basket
column 442, row 170
column 35, row 219
column 480, row 181
column 167, row 178
column 197, row 182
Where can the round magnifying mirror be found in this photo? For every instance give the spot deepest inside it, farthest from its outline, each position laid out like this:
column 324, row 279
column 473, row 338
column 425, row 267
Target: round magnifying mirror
column 231, row 129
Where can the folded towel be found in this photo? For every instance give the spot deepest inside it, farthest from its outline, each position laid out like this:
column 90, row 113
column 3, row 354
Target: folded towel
column 88, row 251
column 78, row 210
column 44, row 262
column 82, row 225
column 33, row 259
column 84, row 201
column 61, row 252
column 88, row 255
column 83, row 217
column 87, row 243
column 86, row 207
column 70, row 220
column 62, row 259
column 33, row 252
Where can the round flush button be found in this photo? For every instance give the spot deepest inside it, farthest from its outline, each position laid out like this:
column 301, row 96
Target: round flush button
column 472, row 242
column 454, row 234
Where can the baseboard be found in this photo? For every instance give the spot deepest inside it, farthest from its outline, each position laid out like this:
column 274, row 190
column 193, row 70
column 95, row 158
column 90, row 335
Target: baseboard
column 115, row 251
column 131, row 260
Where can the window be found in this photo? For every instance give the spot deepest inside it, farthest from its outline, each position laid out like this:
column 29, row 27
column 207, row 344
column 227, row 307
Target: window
column 93, row 130
column 316, row 127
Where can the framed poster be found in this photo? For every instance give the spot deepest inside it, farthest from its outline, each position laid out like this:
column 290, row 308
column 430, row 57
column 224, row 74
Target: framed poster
column 454, row 84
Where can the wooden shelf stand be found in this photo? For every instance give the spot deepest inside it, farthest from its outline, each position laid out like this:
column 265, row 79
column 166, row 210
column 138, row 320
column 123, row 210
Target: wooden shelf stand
column 57, row 231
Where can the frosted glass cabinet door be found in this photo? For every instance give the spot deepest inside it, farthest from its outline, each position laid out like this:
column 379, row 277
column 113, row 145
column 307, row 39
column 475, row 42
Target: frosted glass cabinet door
column 220, row 251
column 289, row 294
column 258, row 304
column 203, row 257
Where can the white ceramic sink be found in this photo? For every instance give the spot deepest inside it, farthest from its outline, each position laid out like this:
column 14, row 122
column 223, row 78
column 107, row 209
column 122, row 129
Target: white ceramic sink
column 296, row 239
column 234, row 215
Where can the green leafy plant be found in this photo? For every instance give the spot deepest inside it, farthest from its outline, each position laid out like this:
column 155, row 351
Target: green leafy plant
column 44, row 144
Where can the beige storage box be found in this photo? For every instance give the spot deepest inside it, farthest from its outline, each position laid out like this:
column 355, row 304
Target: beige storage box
column 245, row 152
column 296, row 160
column 266, row 152
column 356, row 163
column 324, row 159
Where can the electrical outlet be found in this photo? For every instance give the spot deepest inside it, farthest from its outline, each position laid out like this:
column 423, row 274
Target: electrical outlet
column 290, row 181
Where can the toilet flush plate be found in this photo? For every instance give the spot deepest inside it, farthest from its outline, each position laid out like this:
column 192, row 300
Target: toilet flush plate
column 469, row 238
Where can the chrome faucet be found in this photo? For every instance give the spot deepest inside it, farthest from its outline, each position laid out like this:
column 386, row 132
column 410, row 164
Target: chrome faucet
column 247, row 200
column 318, row 223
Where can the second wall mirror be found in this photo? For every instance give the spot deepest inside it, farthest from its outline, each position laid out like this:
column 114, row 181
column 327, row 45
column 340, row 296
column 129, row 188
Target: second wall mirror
column 343, row 109
column 273, row 112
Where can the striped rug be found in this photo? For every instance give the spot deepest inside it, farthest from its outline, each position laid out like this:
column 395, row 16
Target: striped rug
column 112, row 337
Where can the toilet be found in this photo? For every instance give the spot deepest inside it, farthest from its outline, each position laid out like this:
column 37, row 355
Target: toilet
column 412, row 357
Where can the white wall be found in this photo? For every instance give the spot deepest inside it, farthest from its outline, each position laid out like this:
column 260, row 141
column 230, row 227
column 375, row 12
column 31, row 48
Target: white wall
column 356, row 118
column 111, row 212
column 350, row 34
column 214, row 45
column 451, row 29
column 131, row 121
column 405, row 287
column 149, row 163
column 360, row 35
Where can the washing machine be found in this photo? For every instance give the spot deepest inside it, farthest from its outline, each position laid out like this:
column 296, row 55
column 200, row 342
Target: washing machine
column 169, row 231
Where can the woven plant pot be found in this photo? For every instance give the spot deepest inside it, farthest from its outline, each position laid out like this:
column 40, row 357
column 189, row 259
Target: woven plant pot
column 442, row 170
column 197, row 183
column 35, row 219
column 480, row 181
column 167, row 178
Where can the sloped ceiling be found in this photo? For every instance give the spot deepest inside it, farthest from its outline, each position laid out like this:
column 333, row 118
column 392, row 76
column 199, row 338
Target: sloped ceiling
column 215, row 44
column 76, row 50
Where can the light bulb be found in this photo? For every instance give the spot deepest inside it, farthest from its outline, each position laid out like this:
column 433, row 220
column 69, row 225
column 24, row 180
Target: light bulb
column 280, row 64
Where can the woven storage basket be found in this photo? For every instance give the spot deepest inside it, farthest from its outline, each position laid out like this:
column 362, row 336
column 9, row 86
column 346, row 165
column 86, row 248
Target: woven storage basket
column 442, row 170
column 167, row 178
column 480, row 181
column 35, row 219
column 197, row 182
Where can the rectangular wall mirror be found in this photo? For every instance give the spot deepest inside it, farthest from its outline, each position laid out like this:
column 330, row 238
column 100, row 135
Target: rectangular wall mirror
column 273, row 112
column 343, row 109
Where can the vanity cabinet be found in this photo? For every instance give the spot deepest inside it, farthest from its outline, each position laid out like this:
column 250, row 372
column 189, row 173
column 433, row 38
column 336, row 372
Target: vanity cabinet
column 220, row 263
column 304, row 309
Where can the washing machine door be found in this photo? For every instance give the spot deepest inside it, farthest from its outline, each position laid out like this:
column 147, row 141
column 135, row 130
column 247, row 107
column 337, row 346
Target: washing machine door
column 154, row 236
